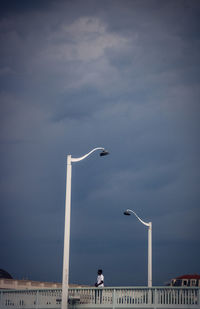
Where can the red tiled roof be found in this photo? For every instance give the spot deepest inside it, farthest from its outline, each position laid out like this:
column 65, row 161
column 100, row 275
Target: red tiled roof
column 195, row 276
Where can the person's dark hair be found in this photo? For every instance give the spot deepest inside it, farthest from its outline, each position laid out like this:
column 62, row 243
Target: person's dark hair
column 100, row 271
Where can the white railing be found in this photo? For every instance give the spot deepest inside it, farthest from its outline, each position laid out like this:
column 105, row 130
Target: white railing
column 117, row 297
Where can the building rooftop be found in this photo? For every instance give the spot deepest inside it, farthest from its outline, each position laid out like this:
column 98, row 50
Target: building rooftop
column 192, row 276
column 4, row 274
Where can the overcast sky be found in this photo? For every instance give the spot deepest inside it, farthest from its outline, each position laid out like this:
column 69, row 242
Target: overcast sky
column 124, row 75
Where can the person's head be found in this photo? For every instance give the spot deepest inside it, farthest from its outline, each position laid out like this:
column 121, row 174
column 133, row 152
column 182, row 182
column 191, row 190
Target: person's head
column 100, row 271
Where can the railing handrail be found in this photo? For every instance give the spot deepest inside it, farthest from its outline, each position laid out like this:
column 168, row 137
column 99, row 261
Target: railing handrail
column 104, row 288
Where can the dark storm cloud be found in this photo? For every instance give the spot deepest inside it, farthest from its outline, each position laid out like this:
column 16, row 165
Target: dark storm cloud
column 13, row 7
column 119, row 74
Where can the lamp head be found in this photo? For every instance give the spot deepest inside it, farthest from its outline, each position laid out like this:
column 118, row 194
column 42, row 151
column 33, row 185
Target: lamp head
column 104, row 153
column 127, row 213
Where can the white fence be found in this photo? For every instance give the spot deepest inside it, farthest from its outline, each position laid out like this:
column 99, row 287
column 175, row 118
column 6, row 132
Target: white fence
column 120, row 297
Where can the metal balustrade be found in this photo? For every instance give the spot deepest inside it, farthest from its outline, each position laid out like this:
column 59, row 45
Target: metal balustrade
column 113, row 297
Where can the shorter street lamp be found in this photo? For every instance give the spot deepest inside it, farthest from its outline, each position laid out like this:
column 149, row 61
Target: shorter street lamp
column 128, row 212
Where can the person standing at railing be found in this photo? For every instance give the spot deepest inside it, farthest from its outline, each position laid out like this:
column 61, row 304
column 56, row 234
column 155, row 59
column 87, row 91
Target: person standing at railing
column 100, row 279
column 99, row 284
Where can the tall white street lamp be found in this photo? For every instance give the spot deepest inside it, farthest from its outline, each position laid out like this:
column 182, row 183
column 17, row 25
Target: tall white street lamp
column 149, row 224
column 65, row 275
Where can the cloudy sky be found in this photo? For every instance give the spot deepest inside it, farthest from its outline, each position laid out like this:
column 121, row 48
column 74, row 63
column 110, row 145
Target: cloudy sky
column 120, row 74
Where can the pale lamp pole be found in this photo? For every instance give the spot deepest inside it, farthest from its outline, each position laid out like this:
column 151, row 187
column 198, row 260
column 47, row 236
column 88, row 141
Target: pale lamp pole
column 65, row 274
column 149, row 224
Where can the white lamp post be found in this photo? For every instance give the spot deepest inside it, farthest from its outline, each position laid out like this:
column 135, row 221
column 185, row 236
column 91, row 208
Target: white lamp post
column 149, row 224
column 65, row 275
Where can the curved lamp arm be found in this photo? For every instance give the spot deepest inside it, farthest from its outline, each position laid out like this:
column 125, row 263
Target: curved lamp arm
column 127, row 212
column 104, row 152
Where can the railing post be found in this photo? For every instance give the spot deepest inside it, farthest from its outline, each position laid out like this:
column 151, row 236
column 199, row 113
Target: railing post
column 1, row 299
column 156, row 297
column 114, row 298
column 150, row 296
column 37, row 300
